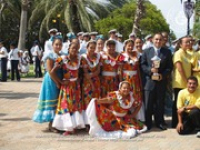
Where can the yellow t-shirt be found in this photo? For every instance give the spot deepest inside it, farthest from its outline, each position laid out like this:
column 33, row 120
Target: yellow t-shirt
column 193, row 57
column 183, row 57
column 197, row 66
column 185, row 98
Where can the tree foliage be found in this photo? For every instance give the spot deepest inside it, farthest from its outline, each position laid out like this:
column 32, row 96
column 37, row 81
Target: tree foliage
column 122, row 19
column 196, row 27
column 74, row 15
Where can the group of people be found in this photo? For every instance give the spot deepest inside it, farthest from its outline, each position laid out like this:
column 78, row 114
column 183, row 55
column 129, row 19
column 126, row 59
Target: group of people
column 18, row 61
column 15, row 61
column 112, row 89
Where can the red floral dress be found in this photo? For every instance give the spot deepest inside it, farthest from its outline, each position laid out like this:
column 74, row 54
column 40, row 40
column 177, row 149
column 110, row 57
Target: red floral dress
column 131, row 73
column 70, row 95
column 90, row 91
column 116, row 116
column 109, row 74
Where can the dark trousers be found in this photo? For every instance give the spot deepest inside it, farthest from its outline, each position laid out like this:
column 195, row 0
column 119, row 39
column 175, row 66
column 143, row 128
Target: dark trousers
column 190, row 121
column 154, row 104
column 38, row 72
column 3, row 69
column 174, row 108
column 14, row 69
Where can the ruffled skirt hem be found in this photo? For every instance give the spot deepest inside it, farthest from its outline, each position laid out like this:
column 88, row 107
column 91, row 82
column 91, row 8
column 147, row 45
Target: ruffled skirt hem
column 42, row 116
column 67, row 122
column 97, row 131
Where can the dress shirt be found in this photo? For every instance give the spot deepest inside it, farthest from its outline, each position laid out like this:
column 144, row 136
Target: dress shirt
column 5, row 55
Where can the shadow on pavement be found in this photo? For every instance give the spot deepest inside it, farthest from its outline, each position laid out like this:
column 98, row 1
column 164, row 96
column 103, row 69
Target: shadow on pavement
column 2, row 114
column 16, row 119
column 13, row 95
column 31, row 80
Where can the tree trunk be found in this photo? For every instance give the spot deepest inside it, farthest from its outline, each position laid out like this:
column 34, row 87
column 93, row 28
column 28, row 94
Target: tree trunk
column 3, row 5
column 75, row 18
column 23, row 25
column 138, row 15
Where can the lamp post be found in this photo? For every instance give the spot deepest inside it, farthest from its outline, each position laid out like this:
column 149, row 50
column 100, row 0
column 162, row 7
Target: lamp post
column 188, row 7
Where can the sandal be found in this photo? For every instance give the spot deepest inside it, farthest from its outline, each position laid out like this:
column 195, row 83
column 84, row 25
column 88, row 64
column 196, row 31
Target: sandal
column 54, row 130
column 68, row 133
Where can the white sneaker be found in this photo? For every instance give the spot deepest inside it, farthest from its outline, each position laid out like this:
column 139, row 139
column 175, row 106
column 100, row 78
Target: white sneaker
column 198, row 134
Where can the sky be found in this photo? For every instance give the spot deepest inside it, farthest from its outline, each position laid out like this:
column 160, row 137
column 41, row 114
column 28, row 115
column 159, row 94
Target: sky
column 173, row 12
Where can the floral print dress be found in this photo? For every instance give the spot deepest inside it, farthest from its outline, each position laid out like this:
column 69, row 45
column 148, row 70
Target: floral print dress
column 69, row 114
column 109, row 73
column 90, row 89
column 131, row 73
column 114, row 121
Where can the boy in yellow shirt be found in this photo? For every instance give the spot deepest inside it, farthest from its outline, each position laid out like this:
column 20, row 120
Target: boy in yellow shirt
column 188, row 105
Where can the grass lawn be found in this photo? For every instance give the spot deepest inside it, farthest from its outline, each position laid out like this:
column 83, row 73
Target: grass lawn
column 30, row 74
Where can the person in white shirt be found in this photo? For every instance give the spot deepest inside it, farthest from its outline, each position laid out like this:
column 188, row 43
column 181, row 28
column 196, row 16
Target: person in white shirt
column 14, row 58
column 38, row 52
column 65, row 46
column 3, row 57
column 83, row 45
column 148, row 43
column 119, row 41
column 20, row 60
column 69, row 37
column 48, row 44
column 80, row 37
column 93, row 35
column 25, row 60
column 132, row 36
column 112, row 34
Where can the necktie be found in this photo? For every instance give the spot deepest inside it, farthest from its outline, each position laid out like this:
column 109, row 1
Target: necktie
column 158, row 52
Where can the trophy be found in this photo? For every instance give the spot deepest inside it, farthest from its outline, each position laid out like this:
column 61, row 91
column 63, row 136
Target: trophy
column 155, row 64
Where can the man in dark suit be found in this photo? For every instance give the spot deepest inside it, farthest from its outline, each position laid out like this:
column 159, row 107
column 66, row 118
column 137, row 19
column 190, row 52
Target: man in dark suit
column 155, row 87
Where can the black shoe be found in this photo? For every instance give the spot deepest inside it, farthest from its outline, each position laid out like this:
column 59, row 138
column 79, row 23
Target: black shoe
column 148, row 128
column 165, row 124
column 162, row 127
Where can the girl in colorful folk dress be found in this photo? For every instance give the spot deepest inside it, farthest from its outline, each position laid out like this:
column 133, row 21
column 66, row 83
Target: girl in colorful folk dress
column 115, row 121
column 69, row 113
column 50, row 87
column 131, row 73
column 110, row 66
column 100, row 45
column 91, row 68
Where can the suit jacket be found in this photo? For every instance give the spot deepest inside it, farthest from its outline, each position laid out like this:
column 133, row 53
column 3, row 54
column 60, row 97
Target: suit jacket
column 165, row 68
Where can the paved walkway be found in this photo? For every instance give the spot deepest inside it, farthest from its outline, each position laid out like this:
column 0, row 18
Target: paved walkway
column 18, row 132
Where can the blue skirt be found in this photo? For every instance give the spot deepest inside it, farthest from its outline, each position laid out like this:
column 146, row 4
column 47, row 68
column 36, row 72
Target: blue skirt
column 47, row 102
